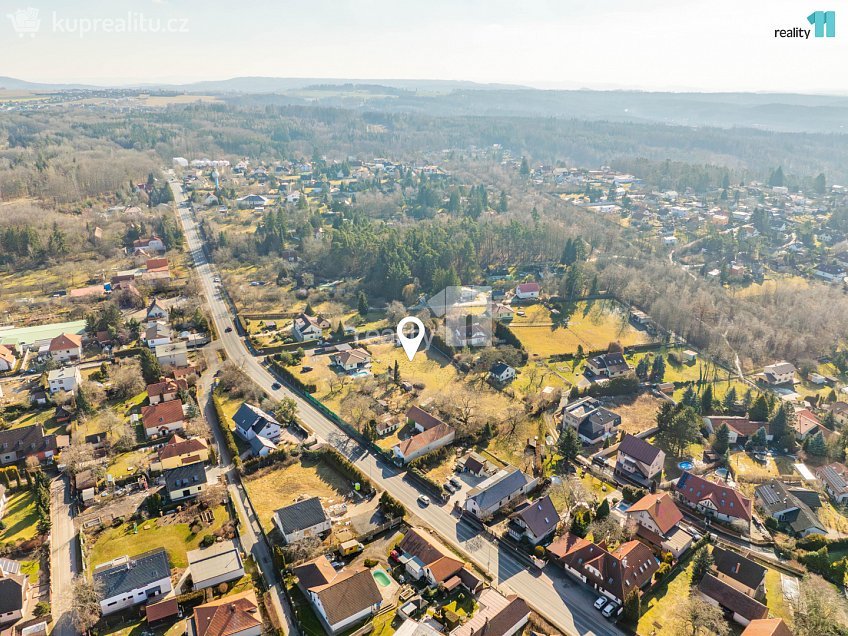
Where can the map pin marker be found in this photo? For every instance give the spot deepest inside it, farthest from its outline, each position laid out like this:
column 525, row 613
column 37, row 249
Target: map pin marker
column 410, row 343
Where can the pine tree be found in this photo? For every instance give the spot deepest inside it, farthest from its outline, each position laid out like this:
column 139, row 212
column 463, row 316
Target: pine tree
column 633, row 606
column 690, row 398
column 815, row 445
column 707, row 400
column 722, row 439
column 569, row 444
column 362, row 303
column 603, row 510
column 643, row 368
column 525, row 167
column 729, row 400
column 151, row 371
column 658, row 369
column 309, row 311
column 84, row 405
column 779, row 422
column 703, row 560
column 759, row 410
column 396, row 374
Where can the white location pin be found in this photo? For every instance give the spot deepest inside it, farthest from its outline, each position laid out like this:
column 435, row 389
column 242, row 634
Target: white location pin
column 410, row 343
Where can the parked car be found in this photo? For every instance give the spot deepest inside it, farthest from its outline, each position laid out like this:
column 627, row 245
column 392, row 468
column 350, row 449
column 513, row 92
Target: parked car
column 228, row 330
column 449, row 487
column 600, row 602
column 275, row 386
column 609, row 610
column 424, row 500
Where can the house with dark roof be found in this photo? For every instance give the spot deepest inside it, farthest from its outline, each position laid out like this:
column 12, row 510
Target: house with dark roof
column 834, row 478
column 251, row 421
column 713, row 500
column 592, row 421
column 608, row 365
column 534, row 521
column 14, row 592
column 340, row 599
column 27, row 441
column 219, row 563
column 739, row 606
column 630, row 567
column 234, row 615
column 128, row 581
column 794, row 507
column 658, row 518
column 506, row 487
column 305, row 518
column 779, row 373
column 501, row 373
column 737, row 570
column 639, row 461
column 306, row 327
column 185, row 481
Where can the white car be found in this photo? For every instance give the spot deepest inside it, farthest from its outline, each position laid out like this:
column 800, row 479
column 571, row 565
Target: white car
column 600, row 602
column 609, row 609
column 216, row 280
column 424, row 499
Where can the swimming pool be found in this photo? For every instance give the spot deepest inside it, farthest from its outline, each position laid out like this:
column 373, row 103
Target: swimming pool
column 381, row 577
column 685, row 465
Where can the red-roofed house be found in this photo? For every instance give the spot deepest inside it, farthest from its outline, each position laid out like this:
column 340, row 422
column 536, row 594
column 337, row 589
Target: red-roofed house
column 236, row 615
column 422, row 443
column 165, row 391
column 714, row 500
column 163, row 418
column 614, row 574
column 66, row 347
column 658, row 517
column 526, row 291
column 807, row 425
column 741, row 429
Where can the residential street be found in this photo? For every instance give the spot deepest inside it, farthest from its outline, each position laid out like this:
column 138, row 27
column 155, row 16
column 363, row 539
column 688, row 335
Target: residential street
column 63, row 556
column 567, row 605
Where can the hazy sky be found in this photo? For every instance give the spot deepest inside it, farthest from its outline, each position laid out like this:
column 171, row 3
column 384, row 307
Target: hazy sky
column 652, row 44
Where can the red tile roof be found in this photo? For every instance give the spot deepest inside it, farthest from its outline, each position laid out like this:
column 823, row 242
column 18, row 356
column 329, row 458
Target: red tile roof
column 227, row 616
column 178, row 446
column 66, row 341
column 767, row 627
column 162, row 414
column 661, row 508
column 726, row 500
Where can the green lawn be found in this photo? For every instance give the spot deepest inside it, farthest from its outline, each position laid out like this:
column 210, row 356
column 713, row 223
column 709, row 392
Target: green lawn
column 778, row 605
column 305, row 615
column 31, row 569
column 660, row 609
column 20, row 518
column 383, row 624
column 461, row 604
column 126, row 464
column 176, row 538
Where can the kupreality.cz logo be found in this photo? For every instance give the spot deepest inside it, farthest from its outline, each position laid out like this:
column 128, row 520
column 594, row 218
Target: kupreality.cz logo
column 823, row 26
column 28, row 22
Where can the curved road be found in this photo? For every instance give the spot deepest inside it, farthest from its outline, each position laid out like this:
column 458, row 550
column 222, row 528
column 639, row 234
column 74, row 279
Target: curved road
column 561, row 600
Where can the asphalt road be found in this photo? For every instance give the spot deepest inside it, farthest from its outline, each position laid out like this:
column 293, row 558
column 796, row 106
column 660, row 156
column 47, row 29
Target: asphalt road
column 562, row 601
column 63, row 556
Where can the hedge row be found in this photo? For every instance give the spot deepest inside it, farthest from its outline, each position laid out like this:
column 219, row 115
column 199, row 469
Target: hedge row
column 426, row 481
column 502, row 332
column 290, row 378
column 391, row 506
column 223, row 422
column 431, row 459
column 274, row 457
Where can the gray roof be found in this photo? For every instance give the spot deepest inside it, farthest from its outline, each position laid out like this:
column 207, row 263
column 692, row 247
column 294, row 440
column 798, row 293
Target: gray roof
column 216, row 560
column 185, row 476
column 249, row 416
column 498, row 487
column 301, row 515
column 791, row 504
column 12, row 593
column 137, row 572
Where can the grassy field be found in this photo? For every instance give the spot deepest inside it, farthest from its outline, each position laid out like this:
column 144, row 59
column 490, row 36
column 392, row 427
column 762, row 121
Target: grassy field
column 639, row 414
column 592, row 325
column 778, row 605
column 747, row 469
column 176, row 538
column 31, row 569
column 127, row 464
column 832, row 518
column 660, row 611
column 277, row 488
column 20, row 518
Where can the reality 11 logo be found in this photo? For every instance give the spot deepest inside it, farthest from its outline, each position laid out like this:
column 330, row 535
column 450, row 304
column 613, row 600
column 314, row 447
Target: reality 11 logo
column 824, row 22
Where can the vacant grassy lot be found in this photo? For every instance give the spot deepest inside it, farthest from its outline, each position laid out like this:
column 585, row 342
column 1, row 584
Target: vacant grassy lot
column 20, row 518
column 129, row 539
column 638, row 414
column 592, row 325
column 660, row 611
column 277, row 488
column 127, row 464
column 747, row 468
column 778, row 606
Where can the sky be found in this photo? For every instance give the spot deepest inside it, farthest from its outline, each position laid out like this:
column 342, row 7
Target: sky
column 703, row 45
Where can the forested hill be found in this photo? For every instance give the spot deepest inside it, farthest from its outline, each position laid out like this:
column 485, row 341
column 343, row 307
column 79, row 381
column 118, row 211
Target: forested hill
column 778, row 112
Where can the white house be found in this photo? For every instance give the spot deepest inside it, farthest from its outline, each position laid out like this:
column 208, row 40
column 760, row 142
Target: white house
column 307, row 327
column 163, row 418
column 779, row 373
column 148, row 245
column 128, row 581
column 657, row 518
column 185, row 481
column 713, row 500
column 527, row 291
column 352, row 360
column 66, row 347
column 156, row 311
column 638, row 460
column 306, row 518
column 174, row 354
column 157, row 333
column 501, row 373
column 251, row 421
column 64, row 379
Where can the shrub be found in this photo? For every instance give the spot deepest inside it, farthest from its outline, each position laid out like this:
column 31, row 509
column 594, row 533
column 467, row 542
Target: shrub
column 662, row 572
column 207, row 540
column 42, row 609
column 370, row 563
